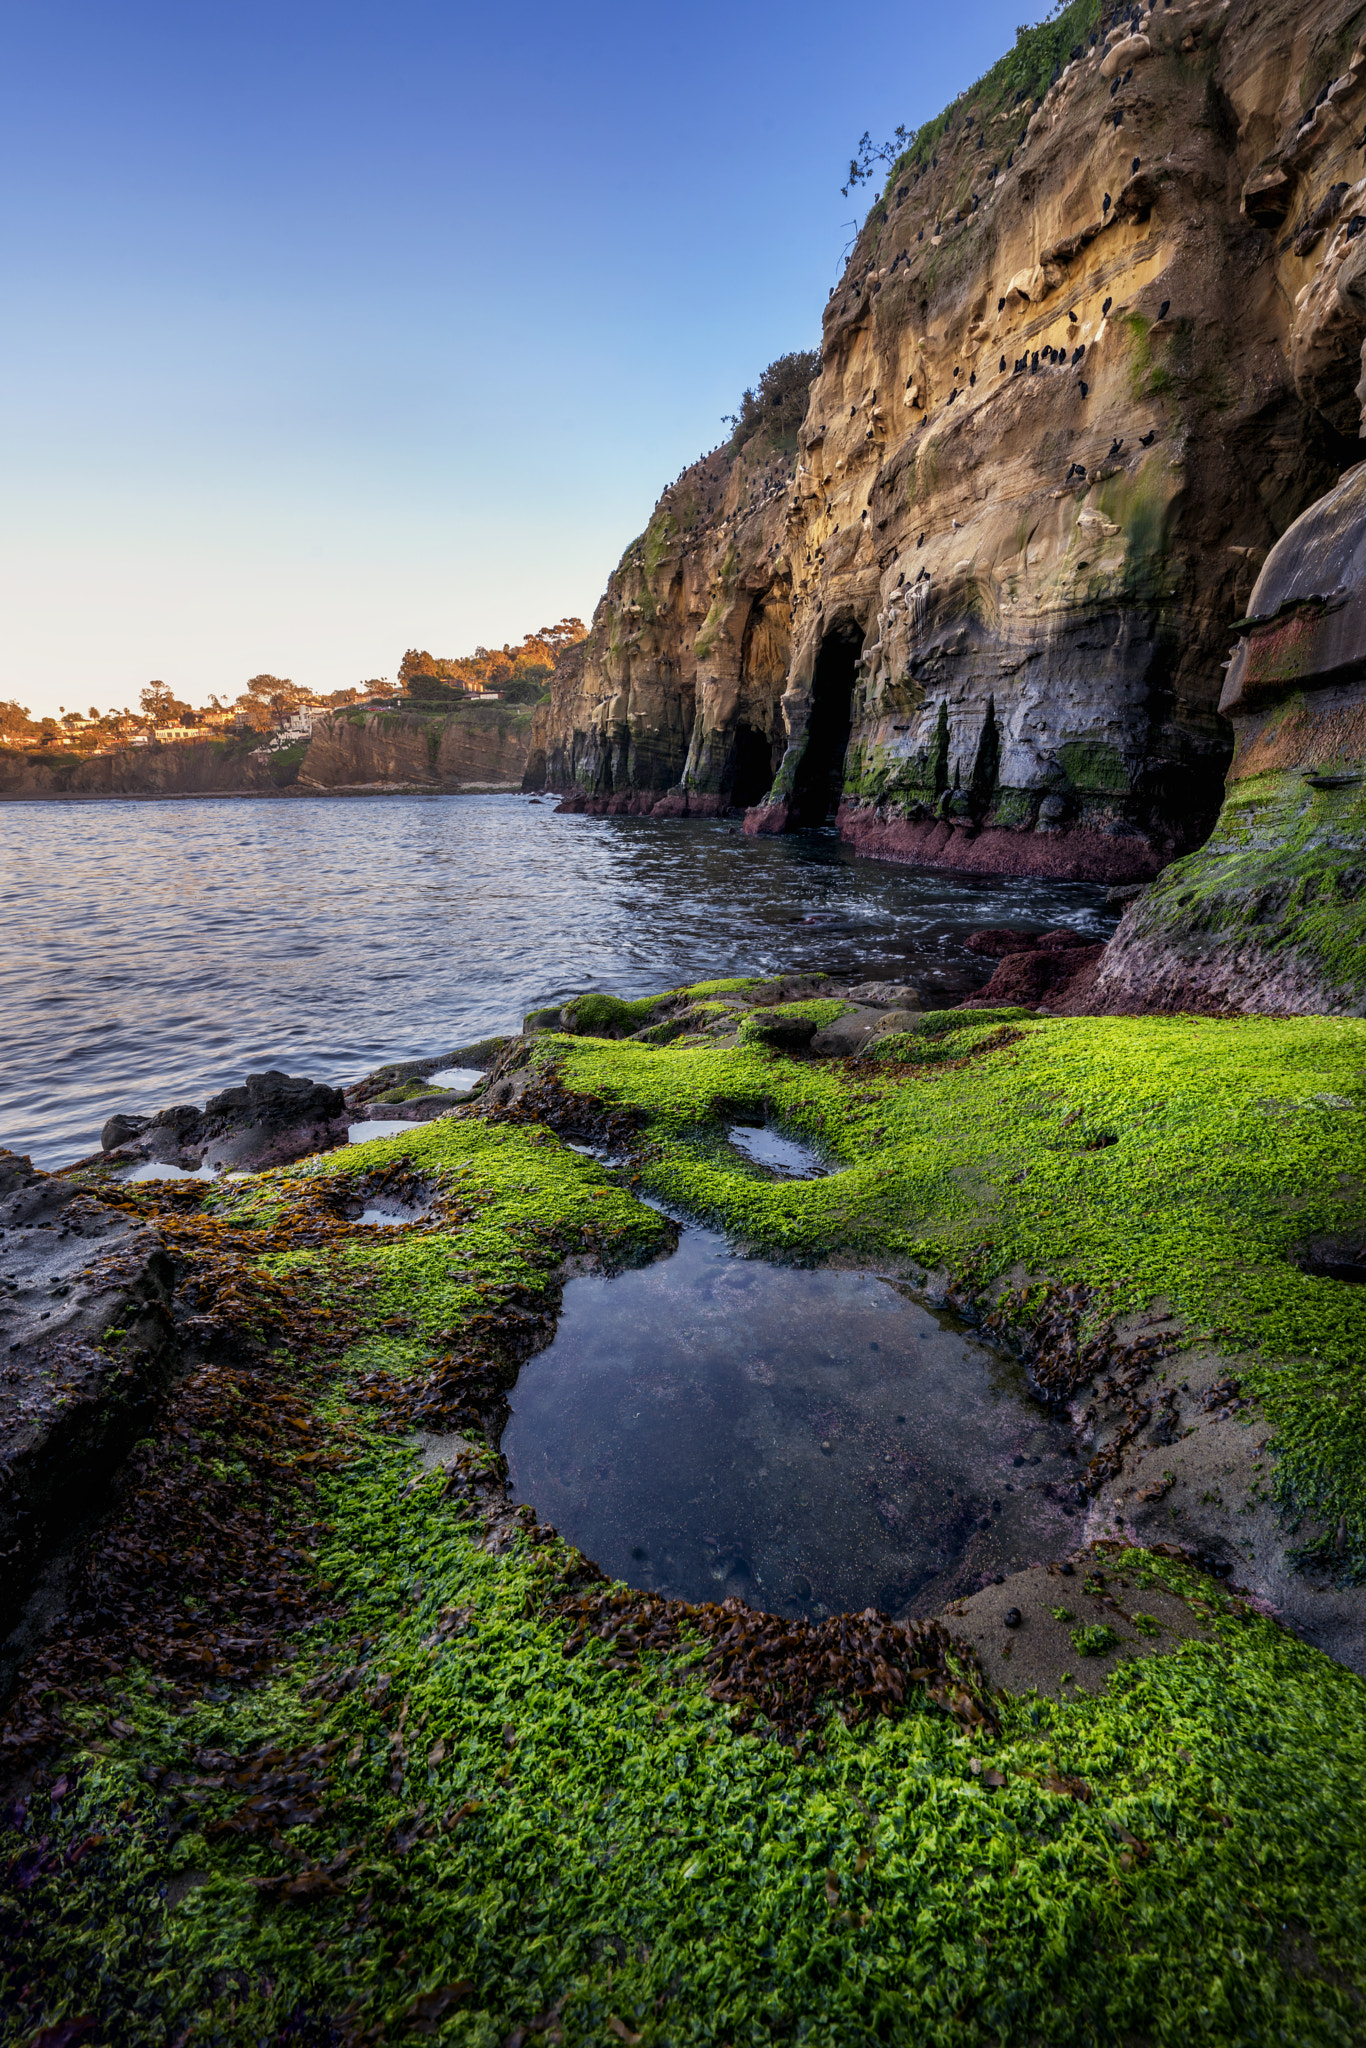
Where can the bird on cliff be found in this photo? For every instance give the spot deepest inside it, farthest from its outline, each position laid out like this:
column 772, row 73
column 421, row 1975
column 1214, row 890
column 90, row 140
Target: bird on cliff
column 1079, row 351
column 1083, row 388
column 1003, row 362
column 1072, row 315
column 1077, row 469
column 921, row 542
column 1133, row 168
column 1034, row 363
column 1146, row 440
column 1105, row 204
column 1116, row 444
column 1114, row 88
column 1106, row 308
column 1163, row 309
column 1119, row 115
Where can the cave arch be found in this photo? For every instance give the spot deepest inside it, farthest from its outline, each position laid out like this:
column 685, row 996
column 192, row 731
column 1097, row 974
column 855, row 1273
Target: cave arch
column 819, row 780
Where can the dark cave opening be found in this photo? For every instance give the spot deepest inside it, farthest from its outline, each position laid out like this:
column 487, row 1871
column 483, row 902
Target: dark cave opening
column 820, row 772
column 751, row 767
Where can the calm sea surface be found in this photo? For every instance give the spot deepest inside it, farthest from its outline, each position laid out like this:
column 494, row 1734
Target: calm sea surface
column 153, row 953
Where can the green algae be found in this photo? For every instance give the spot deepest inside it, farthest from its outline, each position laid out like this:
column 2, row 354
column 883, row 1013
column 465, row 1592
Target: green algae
column 1281, row 875
column 1183, row 1160
column 497, row 1838
column 536, row 1836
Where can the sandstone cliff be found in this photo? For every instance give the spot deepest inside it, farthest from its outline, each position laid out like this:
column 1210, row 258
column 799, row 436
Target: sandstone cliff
column 478, row 746
column 1094, row 350
column 1271, row 913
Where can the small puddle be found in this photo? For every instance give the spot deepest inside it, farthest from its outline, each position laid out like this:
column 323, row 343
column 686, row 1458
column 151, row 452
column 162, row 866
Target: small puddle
column 456, row 1077
column 390, row 1213
column 386, row 1127
column 785, row 1156
column 811, row 1441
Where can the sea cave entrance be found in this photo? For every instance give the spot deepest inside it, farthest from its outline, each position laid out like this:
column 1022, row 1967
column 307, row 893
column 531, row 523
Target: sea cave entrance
column 751, row 767
column 820, row 772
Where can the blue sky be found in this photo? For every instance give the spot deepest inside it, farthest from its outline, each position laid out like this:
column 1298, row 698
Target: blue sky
column 331, row 331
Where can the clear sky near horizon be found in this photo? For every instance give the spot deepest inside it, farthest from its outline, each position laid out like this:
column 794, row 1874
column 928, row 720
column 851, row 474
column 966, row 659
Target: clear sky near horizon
column 335, row 330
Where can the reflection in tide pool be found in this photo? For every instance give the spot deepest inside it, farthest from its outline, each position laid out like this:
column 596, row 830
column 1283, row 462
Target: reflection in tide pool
column 785, row 1156
column 813, row 1442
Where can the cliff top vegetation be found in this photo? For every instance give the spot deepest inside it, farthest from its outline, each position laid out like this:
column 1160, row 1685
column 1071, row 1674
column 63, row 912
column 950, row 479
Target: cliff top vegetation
column 521, row 674
column 778, row 408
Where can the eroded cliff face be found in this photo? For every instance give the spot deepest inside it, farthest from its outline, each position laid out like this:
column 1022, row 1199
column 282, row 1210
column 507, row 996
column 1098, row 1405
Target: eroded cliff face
column 1086, row 364
column 477, row 747
column 480, row 746
column 1270, row 914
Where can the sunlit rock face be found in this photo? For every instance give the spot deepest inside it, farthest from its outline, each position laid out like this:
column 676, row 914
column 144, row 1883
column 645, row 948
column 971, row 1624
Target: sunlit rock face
column 1087, row 362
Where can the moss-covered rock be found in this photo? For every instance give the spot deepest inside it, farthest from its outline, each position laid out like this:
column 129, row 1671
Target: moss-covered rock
column 420, row 1801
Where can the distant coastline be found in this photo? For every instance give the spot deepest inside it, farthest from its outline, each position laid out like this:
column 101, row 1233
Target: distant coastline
column 469, row 750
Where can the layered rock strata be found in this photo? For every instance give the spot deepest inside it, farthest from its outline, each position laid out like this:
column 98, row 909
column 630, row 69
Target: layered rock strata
column 1271, row 913
column 1091, row 355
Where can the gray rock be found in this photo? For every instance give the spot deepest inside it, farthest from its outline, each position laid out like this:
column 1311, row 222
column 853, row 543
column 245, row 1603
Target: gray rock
column 119, row 1130
column 86, row 1347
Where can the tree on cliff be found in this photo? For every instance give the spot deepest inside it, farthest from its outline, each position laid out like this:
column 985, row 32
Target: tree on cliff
column 268, row 701
column 16, row 721
column 161, row 706
column 518, row 673
column 778, row 408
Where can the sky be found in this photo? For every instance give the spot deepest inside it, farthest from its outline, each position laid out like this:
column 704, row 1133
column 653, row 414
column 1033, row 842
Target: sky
column 331, row 331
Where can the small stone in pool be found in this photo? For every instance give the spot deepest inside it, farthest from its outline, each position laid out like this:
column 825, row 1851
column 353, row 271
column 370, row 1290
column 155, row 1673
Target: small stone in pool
column 826, row 1448
column 1012, row 1617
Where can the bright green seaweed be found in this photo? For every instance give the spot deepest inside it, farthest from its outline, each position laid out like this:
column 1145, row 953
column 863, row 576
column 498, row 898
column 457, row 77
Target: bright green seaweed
column 521, row 1841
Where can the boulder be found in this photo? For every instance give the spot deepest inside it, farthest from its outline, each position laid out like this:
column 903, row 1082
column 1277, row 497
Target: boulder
column 85, row 1333
column 271, row 1119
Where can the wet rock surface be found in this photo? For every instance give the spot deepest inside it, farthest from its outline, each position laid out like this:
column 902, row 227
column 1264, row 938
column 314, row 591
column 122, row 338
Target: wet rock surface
column 85, row 1350
column 1067, row 1626
column 269, row 1121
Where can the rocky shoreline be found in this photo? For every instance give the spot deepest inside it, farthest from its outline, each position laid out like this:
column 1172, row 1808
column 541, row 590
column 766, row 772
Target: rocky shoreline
column 355, row 1638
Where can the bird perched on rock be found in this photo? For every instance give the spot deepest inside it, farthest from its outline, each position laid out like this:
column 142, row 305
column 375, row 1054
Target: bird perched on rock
column 1116, row 444
column 1146, row 440
column 1077, row 469
column 1083, row 388
column 1034, row 363
column 1133, row 168
column 1072, row 315
column 1164, row 309
column 1106, row 307
column 955, row 526
column 921, row 542
column 1079, row 351
column 1003, row 362
column 1105, row 204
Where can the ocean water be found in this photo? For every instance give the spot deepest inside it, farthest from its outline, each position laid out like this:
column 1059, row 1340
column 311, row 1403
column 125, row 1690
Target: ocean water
column 155, row 952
